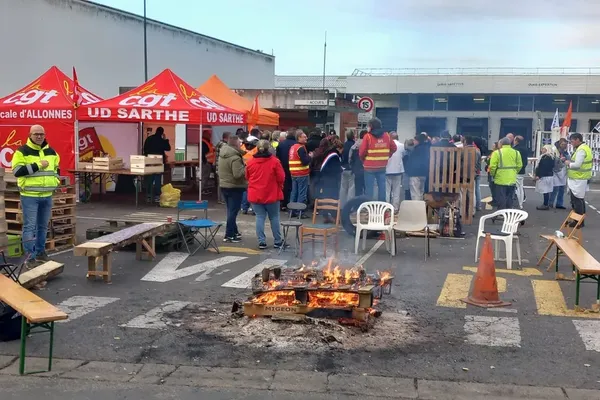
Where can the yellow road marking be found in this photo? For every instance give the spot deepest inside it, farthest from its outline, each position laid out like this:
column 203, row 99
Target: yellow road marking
column 243, row 250
column 455, row 288
column 501, row 284
column 523, row 272
column 550, row 300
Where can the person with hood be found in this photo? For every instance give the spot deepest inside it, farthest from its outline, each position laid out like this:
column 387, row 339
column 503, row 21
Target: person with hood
column 375, row 150
column 218, row 147
column 520, row 146
column 559, row 180
column 409, row 145
column 250, row 149
column 157, row 144
column 356, row 166
column 393, row 174
column 347, row 185
column 544, row 175
column 265, row 177
column 418, row 166
column 282, row 152
column 232, row 172
column 328, row 177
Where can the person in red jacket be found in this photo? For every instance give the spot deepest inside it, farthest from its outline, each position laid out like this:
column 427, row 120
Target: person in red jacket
column 375, row 150
column 265, row 177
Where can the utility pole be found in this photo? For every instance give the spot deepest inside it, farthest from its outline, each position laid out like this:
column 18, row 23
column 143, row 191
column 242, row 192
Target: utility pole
column 145, row 46
column 324, row 58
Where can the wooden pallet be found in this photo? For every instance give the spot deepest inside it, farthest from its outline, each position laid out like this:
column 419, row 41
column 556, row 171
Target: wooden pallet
column 146, row 165
column 60, row 243
column 142, row 217
column 107, row 163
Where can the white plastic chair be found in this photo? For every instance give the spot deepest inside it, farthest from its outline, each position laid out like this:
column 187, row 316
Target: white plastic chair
column 377, row 211
column 507, row 233
column 412, row 217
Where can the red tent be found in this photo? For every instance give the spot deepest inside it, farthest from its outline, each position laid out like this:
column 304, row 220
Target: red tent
column 47, row 101
column 165, row 98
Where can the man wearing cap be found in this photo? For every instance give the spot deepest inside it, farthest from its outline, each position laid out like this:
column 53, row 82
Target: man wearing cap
column 35, row 165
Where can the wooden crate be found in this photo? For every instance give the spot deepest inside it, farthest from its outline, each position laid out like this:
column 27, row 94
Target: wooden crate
column 107, row 163
column 146, row 165
column 86, row 165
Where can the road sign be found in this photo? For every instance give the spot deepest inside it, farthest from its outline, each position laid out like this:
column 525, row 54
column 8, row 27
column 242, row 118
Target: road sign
column 364, row 117
column 366, row 104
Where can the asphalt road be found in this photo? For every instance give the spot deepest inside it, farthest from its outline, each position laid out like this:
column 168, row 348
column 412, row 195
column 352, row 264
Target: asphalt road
column 140, row 317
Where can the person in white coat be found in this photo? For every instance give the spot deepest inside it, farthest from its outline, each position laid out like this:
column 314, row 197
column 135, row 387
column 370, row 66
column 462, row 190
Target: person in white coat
column 393, row 174
column 560, row 175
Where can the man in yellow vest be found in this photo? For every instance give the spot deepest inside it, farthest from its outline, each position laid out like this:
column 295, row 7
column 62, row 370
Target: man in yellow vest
column 35, row 165
column 505, row 163
column 579, row 172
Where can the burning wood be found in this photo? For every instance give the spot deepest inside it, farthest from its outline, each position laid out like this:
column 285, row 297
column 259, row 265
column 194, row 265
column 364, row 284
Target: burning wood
column 330, row 292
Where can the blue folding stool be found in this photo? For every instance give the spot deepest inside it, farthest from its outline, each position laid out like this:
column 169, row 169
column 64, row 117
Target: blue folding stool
column 206, row 228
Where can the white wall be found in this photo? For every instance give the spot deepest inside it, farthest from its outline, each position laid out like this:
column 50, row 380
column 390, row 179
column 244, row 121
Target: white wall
column 106, row 48
column 488, row 84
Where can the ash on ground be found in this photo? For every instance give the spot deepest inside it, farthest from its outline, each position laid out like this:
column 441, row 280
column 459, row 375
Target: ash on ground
column 394, row 328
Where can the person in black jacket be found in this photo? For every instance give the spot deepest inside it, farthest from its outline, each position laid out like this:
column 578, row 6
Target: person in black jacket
column 418, row 166
column 314, row 140
column 283, row 154
column 356, row 166
column 328, row 176
column 156, row 144
column 544, row 175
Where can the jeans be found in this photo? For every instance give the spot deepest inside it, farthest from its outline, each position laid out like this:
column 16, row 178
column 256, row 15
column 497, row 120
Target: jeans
column 233, row 201
column 393, row 187
column 262, row 211
column 546, row 199
column 504, row 196
column 417, row 187
column 36, row 216
column 359, row 184
column 245, row 204
column 299, row 190
column 558, row 195
column 477, row 192
column 372, row 177
column 346, row 187
column 153, row 184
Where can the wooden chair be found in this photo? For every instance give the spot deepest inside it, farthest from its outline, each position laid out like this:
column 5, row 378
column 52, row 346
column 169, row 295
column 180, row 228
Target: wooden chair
column 323, row 231
column 570, row 232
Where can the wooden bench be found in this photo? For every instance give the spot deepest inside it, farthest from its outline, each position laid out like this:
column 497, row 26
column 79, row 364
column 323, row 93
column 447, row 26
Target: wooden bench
column 584, row 265
column 570, row 228
column 143, row 235
column 38, row 316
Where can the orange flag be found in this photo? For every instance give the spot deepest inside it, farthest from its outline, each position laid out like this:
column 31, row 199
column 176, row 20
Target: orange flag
column 564, row 130
column 77, row 99
column 253, row 114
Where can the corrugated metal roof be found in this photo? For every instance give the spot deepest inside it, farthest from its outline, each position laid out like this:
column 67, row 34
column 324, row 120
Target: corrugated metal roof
column 310, row 82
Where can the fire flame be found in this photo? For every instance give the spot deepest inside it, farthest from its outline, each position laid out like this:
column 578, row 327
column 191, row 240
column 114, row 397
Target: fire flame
column 278, row 297
column 327, row 299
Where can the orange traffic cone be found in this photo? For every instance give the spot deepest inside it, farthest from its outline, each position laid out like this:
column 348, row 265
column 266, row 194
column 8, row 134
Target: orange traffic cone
column 485, row 289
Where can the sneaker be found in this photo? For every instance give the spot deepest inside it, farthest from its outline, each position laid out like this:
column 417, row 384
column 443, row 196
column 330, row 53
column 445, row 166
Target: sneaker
column 245, row 212
column 30, row 264
column 281, row 246
column 43, row 257
column 542, row 208
column 238, row 235
column 232, row 240
column 561, row 207
column 262, row 246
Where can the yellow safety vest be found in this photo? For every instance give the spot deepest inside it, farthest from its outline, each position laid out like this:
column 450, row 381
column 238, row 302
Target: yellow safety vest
column 585, row 171
column 505, row 165
column 33, row 181
column 274, row 143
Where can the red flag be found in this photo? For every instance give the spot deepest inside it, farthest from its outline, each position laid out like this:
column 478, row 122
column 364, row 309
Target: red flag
column 564, row 130
column 253, row 115
column 77, row 98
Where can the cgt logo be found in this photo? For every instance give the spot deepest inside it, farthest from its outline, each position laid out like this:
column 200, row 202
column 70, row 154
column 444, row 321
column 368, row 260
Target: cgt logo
column 31, row 95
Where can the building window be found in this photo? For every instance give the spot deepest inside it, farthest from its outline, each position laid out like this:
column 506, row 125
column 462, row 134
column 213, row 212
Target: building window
column 472, row 102
column 408, row 102
column 440, row 102
column 504, row 103
column 589, row 104
column 424, row 102
column 550, row 102
column 526, row 103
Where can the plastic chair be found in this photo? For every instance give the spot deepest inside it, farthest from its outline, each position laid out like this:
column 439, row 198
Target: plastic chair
column 206, row 228
column 412, row 217
column 286, row 225
column 377, row 212
column 507, row 233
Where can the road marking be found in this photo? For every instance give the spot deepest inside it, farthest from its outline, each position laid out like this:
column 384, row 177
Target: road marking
column 590, row 334
column 492, row 331
column 592, row 207
column 243, row 250
column 501, row 283
column 504, row 310
column 523, row 272
column 155, row 318
column 455, row 287
column 78, row 306
column 550, row 300
column 243, row 281
column 364, row 258
column 166, row 270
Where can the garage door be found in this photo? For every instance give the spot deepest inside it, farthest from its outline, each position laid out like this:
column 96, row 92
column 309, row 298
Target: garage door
column 388, row 117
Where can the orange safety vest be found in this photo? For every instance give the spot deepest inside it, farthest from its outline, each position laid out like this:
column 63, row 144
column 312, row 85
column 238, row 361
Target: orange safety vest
column 210, row 156
column 378, row 151
column 296, row 166
column 249, row 153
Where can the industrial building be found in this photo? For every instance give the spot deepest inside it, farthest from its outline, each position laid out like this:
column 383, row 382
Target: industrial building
column 479, row 102
column 106, row 46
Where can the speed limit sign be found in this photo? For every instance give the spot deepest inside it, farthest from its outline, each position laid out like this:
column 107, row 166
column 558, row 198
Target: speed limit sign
column 366, row 104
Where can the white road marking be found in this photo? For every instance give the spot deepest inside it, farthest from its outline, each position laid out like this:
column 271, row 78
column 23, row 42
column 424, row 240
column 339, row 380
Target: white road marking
column 504, row 310
column 155, row 318
column 590, row 333
column 364, row 258
column 591, row 206
column 243, row 281
column 78, row 306
column 166, row 270
column 493, row 331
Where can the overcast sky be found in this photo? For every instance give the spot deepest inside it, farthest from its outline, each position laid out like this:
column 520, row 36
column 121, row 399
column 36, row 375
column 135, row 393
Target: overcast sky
column 394, row 33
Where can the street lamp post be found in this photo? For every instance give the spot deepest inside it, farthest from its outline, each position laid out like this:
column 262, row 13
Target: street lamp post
column 145, row 46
